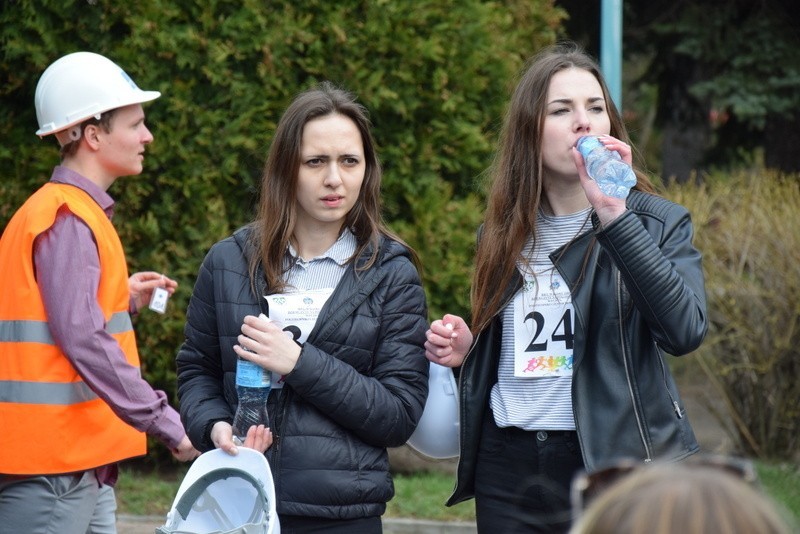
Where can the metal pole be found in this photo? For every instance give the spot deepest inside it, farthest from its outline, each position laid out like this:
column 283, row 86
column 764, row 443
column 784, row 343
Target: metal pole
column 611, row 47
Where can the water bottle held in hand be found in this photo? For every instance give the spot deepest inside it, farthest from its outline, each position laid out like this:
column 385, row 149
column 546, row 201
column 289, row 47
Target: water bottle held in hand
column 614, row 177
column 253, row 383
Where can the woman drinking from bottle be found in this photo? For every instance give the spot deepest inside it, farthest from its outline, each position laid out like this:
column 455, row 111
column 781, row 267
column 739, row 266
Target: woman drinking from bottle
column 576, row 298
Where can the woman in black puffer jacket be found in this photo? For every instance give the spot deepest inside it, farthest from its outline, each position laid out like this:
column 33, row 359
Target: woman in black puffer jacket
column 355, row 380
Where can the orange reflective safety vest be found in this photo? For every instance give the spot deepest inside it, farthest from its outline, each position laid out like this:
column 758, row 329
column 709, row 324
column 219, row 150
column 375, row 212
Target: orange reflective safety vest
column 50, row 420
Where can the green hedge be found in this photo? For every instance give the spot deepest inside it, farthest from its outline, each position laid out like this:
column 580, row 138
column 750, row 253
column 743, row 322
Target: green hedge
column 435, row 75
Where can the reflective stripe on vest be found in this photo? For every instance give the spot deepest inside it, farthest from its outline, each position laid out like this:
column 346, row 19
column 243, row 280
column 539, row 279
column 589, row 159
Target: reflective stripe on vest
column 48, row 392
column 45, row 392
column 39, row 332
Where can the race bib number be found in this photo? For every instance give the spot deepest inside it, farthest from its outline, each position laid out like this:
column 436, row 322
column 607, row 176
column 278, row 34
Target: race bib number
column 543, row 327
column 296, row 313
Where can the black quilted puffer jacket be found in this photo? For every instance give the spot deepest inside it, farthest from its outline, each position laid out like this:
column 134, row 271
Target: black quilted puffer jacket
column 359, row 385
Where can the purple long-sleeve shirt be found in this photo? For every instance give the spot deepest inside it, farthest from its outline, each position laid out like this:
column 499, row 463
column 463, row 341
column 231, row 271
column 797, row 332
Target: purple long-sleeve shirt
column 68, row 273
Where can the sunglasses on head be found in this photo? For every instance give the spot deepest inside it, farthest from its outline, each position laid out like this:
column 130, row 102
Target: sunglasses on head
column 587, row 486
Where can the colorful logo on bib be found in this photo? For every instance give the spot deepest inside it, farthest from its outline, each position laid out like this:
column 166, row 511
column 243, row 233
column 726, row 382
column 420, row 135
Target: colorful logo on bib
column 549, row 364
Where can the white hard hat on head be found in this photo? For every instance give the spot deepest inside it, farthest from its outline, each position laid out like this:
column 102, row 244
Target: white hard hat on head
column 79, row 86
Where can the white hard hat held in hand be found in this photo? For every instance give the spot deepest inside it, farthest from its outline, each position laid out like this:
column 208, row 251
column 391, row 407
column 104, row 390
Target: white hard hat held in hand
column 225, row 494
column 436, row 435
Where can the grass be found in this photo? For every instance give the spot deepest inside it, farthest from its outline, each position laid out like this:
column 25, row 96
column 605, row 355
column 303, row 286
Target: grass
column 422, row 496
column 782, row 482
column 419, row 496
column 147, row 493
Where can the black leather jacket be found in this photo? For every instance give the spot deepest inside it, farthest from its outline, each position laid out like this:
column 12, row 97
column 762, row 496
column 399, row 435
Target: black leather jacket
column 359, row 385
column 640, row 294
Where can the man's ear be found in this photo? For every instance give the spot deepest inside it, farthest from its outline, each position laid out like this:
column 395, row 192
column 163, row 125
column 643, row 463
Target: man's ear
column 91, row 135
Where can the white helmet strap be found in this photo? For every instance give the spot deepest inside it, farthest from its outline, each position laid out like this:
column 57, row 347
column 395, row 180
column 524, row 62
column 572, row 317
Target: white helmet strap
column 73, row 133
column 69, row 135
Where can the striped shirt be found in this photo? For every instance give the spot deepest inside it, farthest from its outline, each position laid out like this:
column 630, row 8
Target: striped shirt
column 322, row 272
column 542, row 403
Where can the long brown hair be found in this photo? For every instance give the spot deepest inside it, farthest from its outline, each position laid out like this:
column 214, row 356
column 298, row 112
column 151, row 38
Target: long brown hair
column 517, row 187
column 277, row 210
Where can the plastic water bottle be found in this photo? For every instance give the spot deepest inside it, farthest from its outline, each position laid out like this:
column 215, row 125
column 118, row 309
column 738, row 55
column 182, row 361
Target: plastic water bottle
column 253, row 383
column 614, row 177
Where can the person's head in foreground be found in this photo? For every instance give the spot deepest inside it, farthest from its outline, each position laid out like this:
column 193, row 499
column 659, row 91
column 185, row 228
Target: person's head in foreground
column 682, row 498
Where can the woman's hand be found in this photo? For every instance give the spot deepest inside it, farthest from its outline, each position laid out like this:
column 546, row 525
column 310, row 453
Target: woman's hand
column 448, row 341
column 264, row 343
column 258, row 438
column 607, row 208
